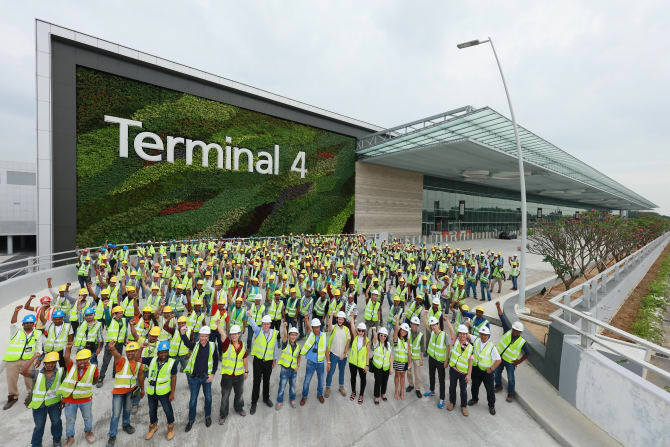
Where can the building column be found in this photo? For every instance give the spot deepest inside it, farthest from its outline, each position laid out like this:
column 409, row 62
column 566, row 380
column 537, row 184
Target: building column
column 10, row 245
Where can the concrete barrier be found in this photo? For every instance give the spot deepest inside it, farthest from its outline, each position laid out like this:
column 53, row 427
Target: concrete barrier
column 27, row 284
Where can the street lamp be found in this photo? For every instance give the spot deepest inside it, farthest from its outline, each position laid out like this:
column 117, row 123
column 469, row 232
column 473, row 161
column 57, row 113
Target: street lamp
column 522, row 180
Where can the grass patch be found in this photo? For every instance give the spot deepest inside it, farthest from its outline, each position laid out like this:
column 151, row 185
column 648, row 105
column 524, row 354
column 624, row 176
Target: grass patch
column 648, row 322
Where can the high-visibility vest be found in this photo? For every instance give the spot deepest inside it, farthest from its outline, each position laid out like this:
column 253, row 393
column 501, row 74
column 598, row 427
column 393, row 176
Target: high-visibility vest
column 56, row 343
column 237, row 316
column 232, row 362
column 165, row 335
column 415, row 344
column 275, row 310
column 86, row 333
column 509, row 351
column 78, row 388
column 159, row 381
column 381, row 357
column 210, row 359
column 257, row 313
column 177, row 346
column 21, row 346
column 400, row 350
column 289, row 356
column 127, row 377
column 483, row 355
column 335, row 329
column 195, row 321
column 334, row 306
column 483, row 278
column 459, row 357
column 263, row 349
column 114, row 294
column 141, row 328
column 305, row 305
column 460, row 318
column 372, row 310
column 320, row 307
column 414, row 310
column 177, row 302
column 292, row 307
column 478, row 327
column 128, row 307
column 514, row 272
column 320, row 349
column 437, row 348
column 83, row 269
column 356, row 357
column 42, row 396
column 116, row 331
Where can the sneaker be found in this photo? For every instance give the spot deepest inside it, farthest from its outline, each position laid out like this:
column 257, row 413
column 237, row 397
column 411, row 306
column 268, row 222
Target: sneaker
column 342, row 391
column 10, row 402
column 57, row 443
column 472, row 402
column 242, row 413
column 510, row 398
column 111, row 441
column 278, row 406
column 327, row 393
column 409, row 388
column 497, row 388
column 90, row 437
column 293, row 404
column 464, row 410
column 268, row 402
column 429, row 394
column 208, row 422
column 418, row 394
column 129, row 429
column 252, row 410
column 440, row 404
column 100, row 383
column 188, row 427
column 492, row 411
column 222, row 420
column 450, row 406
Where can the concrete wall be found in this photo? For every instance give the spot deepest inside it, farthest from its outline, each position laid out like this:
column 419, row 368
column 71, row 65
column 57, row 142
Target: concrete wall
column 388, row 199
column 629, row 408
column 25, row 285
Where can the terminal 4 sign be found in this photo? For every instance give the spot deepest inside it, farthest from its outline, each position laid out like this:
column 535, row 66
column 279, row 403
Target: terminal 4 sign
column 229, row 158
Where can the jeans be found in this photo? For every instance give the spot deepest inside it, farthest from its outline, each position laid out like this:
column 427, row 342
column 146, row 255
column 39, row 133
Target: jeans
column 479, row 377
column 262, row 371
column 457, row 377
column 71, row 417
column 301, row 326
column 120, row 403
column 470, row 285
column 107, row 357
column 236, row 384
column 486, row 293
column 310, row 368
column 194, row 384
column 181, row 360
column 287, row 375
column 514, row 280
column 40, row 418
column 434, row 365
column 82, row 281
column 153, row 408
column 509, row 367
column 341, row 364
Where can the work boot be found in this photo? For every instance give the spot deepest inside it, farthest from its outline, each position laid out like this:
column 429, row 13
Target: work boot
column 90, row 437
column 450, row 406
column 497, row 388
column 134, row 409
column 111, row 441
column 409, row 388
column 11, row 400
column 208, row 422
column 151, row 432
column 464, row 410
column 252, row 410
column 242, row 413
column 321, row 399
column 418, row 394
column 302, row 401
column 170, row 433
column 472, row 402
column 268, row 402
column 492, row 411
column 327, row 393
column 188, row 427
column 57, row 443
column 129, row 429
column 510, row 397
column 69, row 442
column 342, row 392
column 100, row 382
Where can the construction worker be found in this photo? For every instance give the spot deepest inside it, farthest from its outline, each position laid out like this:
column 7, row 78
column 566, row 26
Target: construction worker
column 234, row 371
column 484, row 278
column 382, row 362
column 513, row 351
column 514, row 274
column 359, row 360
column 256, row 313
column 479, row 322
column 289, row 361
column 486, row 360
column 128, row 383
column 316, row 351
column 373, row 313
column 161, row 384
column 200, row 370
column 58, row 334
column 77, row 393
column 304, row 311
column 415, row 337
column 89, row 334
column 437, row 357
column 338, row 341
column 178, row 350
column 23, row 344
column 265, row 351
column 471, row 282
column 497, row 276
column 460, row 366
column 45, row 399
column 116, row 332
column 43, row 312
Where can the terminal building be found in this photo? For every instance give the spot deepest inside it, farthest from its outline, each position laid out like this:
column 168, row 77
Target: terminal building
column 132, row 147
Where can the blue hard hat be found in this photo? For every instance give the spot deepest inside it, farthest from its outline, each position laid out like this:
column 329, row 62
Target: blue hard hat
column 89, row 311
column 103, row 249
column 174, row 240
column 29, row 318
column 112, row 245
column 58, row 314
column 125, row 247
column 163, row 346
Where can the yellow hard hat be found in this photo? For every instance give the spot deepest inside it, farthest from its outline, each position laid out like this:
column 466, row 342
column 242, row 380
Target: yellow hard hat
column 200, row 282
column 83, row 292
column 479, row 308
column 238, row 299
column 130, row 288
column 155, row 331
column 132, row 346
column 51, row 357
column 182, row 319
column 113, row 279
column 62, row 288
column 217, row 282
column 424, row 278
column 147, row 309
column 116, row 309
column 104, row 292
column 197, row 302
column 87, row 258
column 336, row 292
column 83, row 354
column 461, row 282
column 465, row 307
column 277, row 292
column 167, row 309
column 155, row 287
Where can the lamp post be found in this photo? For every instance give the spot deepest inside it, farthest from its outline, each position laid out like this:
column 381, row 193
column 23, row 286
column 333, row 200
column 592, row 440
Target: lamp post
column 522, row 179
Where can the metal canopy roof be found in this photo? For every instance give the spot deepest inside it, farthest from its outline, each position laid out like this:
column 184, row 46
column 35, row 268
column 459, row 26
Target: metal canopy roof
column 478, row 145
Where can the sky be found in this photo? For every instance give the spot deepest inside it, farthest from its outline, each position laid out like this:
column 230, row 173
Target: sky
column 590, row 77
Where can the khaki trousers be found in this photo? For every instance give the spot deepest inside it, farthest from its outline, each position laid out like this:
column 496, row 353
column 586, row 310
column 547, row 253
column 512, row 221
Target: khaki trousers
column 12, row 370
column 414, row 374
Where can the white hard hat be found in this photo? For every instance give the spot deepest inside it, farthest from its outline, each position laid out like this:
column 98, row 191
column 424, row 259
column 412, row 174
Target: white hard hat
column 266, row 319
column 382, row 330
column 235, row 329
column 432, row 321
column 205, row 330
column 361, row 326
column 341, row 314
column 258, row 297
column 518, row 326
column 293, row 330
column 462, row 328
column 316, row 322
column 415, row 320
column 375, row 292
column 485, row 330
column 436, row 300
column 404, row 327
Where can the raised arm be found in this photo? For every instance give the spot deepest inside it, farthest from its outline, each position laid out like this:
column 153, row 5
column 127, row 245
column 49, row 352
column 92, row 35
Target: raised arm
column 452, row 333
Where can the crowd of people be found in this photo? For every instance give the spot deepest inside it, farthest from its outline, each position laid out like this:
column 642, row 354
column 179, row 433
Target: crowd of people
column 198, row 308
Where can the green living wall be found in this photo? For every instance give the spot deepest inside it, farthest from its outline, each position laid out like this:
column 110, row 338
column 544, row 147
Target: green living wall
column 130, row 199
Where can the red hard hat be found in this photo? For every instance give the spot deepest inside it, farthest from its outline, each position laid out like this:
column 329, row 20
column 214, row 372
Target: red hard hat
column 86, row 250
column 45, row 299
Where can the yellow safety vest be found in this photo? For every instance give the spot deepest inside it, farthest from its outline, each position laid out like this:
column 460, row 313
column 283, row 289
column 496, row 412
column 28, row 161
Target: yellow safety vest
column 482, row 356
column 53, row 343
column 460, row 357
column 232, row 362
column 126, row 378
column 437, row 348
column 509, row 351
column 78, row 389
column 321, row 347
column 356, row 357
column 381, row 357
column 261, row 348
column 289, row 356
column 210, row 358
column 159, row 381
column 42, row 396
column 21, row 346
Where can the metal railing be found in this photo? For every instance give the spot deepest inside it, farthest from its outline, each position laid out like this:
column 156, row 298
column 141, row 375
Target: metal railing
column 587, row 326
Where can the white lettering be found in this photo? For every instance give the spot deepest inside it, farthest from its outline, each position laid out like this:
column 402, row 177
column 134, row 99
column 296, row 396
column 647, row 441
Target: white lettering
column 276, row 159
column 236, row 158
column 141, row 145
column 171, row 143
column 123, row 132
column 190, row 145
column 264, row 163
column 228, row 140
column 299, row 159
